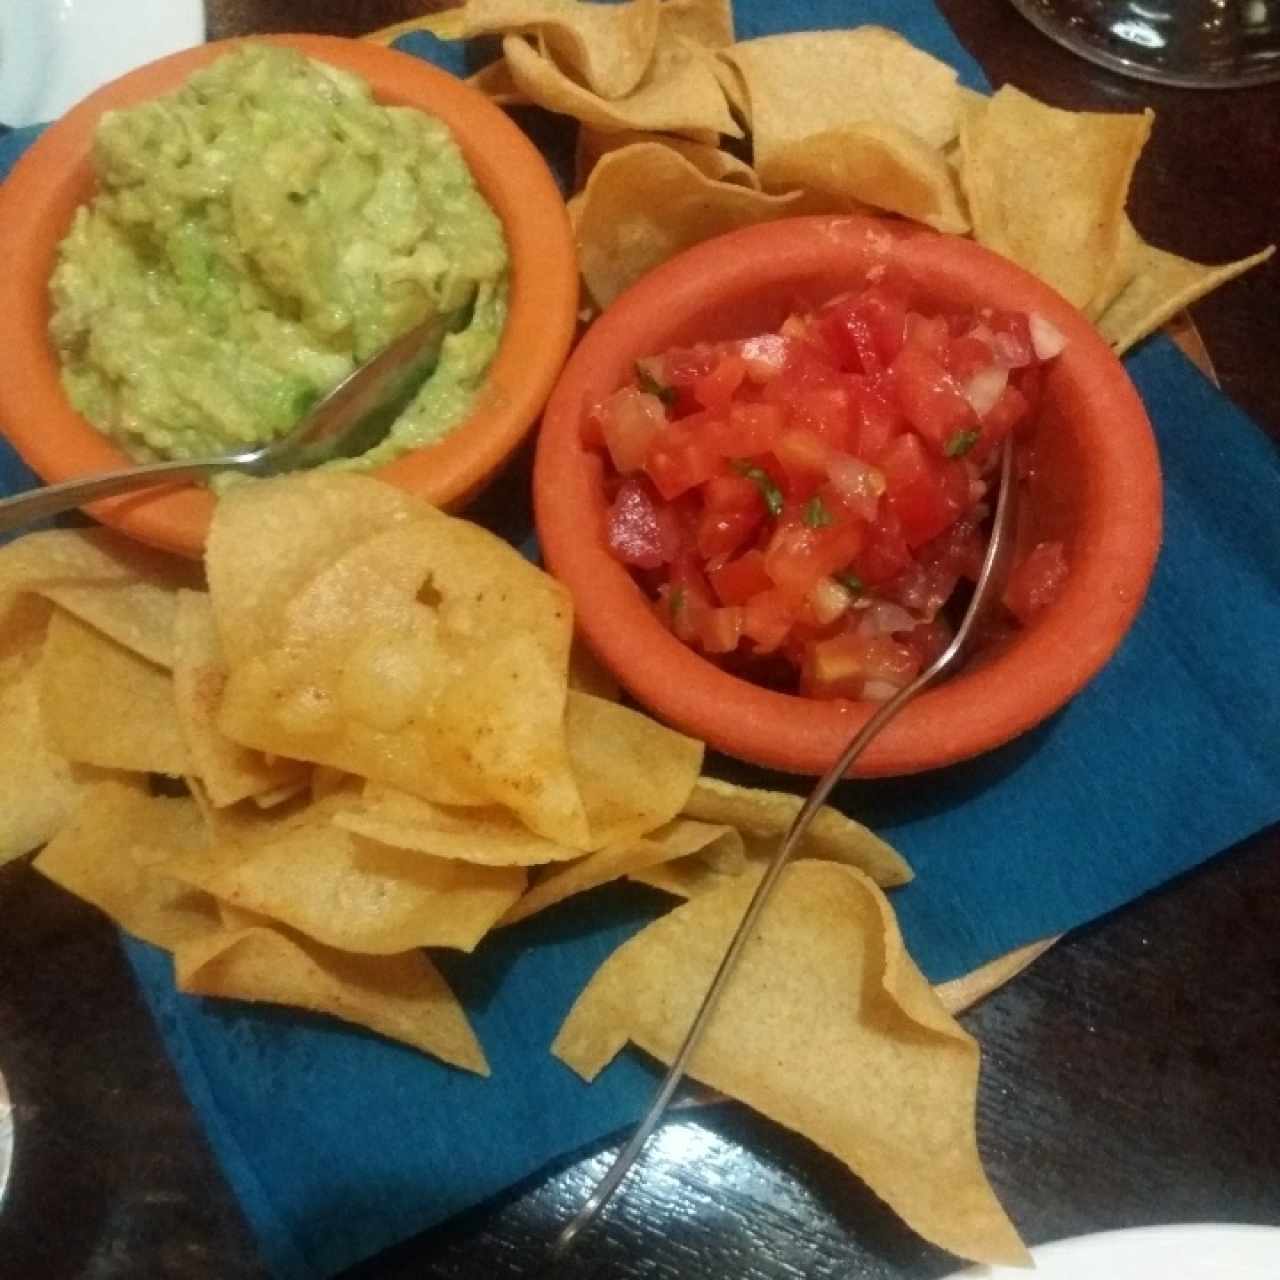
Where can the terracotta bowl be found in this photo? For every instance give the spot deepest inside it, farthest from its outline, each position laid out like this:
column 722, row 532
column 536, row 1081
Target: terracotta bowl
column 1097, row 489
column 55, row 176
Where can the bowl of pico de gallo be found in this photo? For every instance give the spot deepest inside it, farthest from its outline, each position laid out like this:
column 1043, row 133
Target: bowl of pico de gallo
column 765, row 477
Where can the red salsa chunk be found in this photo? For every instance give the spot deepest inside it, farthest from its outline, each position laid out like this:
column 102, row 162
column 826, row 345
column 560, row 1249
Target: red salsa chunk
column 802, row 505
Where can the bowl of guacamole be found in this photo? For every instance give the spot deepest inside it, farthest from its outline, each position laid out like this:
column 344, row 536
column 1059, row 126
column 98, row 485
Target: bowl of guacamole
column 214, row 242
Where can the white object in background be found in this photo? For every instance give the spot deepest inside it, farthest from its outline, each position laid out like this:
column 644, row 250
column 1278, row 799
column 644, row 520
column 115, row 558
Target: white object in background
column 1197, row 1251
column 55, row 52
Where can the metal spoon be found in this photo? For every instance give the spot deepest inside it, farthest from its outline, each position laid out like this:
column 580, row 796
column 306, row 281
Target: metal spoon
column 349, row 421
column 986, row 593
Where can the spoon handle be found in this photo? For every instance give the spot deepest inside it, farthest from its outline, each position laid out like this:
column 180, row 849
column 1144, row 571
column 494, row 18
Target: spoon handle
column 36, row 504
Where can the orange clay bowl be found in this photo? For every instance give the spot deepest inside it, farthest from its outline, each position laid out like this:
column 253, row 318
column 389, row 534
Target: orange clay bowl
column 1097, row 489
column 55, row 176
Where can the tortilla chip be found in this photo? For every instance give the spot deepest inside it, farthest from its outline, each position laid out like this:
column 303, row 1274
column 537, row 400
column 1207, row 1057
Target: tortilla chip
column 495, row 82
column 228, row 771
column 710, row 161
column 633, row 773
column 606, row 47
column 114, row 854
column 487, row 836
column 645, row 203
column 831, row 836
column 871, row 165
column 587, row 675
column 403, row 997
column 445, row 25
column 679, row 92
column 270, row 537
column 705, row 22
column 104, row 705
column 344, row 891
column 827, row 1028
column 39, row 789
column 676, row 840
column 1162, row 285
column 683, row 877
column 124, row 589
column 1047, row 188
column 808, row 83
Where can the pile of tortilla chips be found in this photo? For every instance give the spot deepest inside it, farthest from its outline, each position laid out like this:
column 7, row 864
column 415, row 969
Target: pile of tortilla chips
column 369, row 737
column 833, row 121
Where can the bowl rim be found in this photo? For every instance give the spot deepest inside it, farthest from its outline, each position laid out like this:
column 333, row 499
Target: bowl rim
column 1120, row 510
column 54, row 176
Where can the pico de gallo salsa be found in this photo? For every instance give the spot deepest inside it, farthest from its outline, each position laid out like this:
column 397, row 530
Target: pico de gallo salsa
column 802, row 504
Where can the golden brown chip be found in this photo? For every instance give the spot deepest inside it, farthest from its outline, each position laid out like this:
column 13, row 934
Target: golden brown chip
column 495, row 82
column 104, row 705
column 125, row 590
column 1047, row 188
column 39, row 789
column 679, row 92
column 633, row 773
column 269, row 538
column 676, row 840
column 486, row 835
column 345, row 891
column 403, row 997
column 827, row 1028
column 228, row 771
column 587, row 675
column 807, row 83
column 710, row 161
column 874, row 165
column 831, row 836
column 705, row 22
column 645, row 203
column 606, row 47
column 114, row 854
column 683, row 877
column 1161, row 286
column 432, row 657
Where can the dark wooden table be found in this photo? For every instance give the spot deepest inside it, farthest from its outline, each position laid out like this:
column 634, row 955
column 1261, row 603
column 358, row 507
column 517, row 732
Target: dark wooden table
column 1132, row 1075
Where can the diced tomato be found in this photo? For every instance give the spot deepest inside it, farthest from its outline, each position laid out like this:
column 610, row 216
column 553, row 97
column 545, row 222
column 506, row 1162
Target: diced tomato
column 928, row 641
column 1036, row 583
column 730, row 491
column 766, row 355
column 798, row 555
column 678, row 458
column 865, row 330
column 628, row 422
column 927, row 334
column 641, row 530
column 749, row 430
column 715, row 390
column 1011, row 337
column 721, row 629
column 967, row 355
column 874, row 417
column 766, row 619
column 840, row 666
column 803, row 457
column 808, row 369
column 926, row 493
column 721, row 533
column 885, row 554
column 740, row 579
column 930, row 397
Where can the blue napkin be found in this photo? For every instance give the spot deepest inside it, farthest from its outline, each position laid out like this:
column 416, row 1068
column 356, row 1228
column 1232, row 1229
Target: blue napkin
column 339, row 1144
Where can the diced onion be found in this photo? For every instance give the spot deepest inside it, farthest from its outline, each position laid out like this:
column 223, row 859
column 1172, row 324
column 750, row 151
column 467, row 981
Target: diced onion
column 858, row 484
column 1047, row 340
column 878, row 690
column 828, row 600
column 1009, row 351
column 884, row 618
column 985, row 388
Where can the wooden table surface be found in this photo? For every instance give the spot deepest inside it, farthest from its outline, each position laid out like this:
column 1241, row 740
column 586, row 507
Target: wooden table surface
column 1131, row 1076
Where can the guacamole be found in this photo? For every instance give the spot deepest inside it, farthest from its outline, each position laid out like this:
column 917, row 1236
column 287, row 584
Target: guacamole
column 256, row 235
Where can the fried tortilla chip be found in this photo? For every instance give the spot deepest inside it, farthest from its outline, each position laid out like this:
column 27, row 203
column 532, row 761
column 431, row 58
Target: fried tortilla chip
column 605, row 47
column 633, row 773
column 675, row 840
column 1161, row 286
column 495, row 82
column 808, row 83
column 228, row 771
column 488, row 836
column 432, row 657
column 679, row 92
column 344, row 891
column 710, row 161
column 1047, row 188
column 125, row 590
column 705, row 22
column 768, row 815
column 828, row 1028
column 645, row 203
column 114, row 854
column 269, row 538
column 871, row 165
column 104, row 705
column 403, row 997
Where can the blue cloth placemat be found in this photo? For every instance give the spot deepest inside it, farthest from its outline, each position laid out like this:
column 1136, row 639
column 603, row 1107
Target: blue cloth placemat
column 339, row 1144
